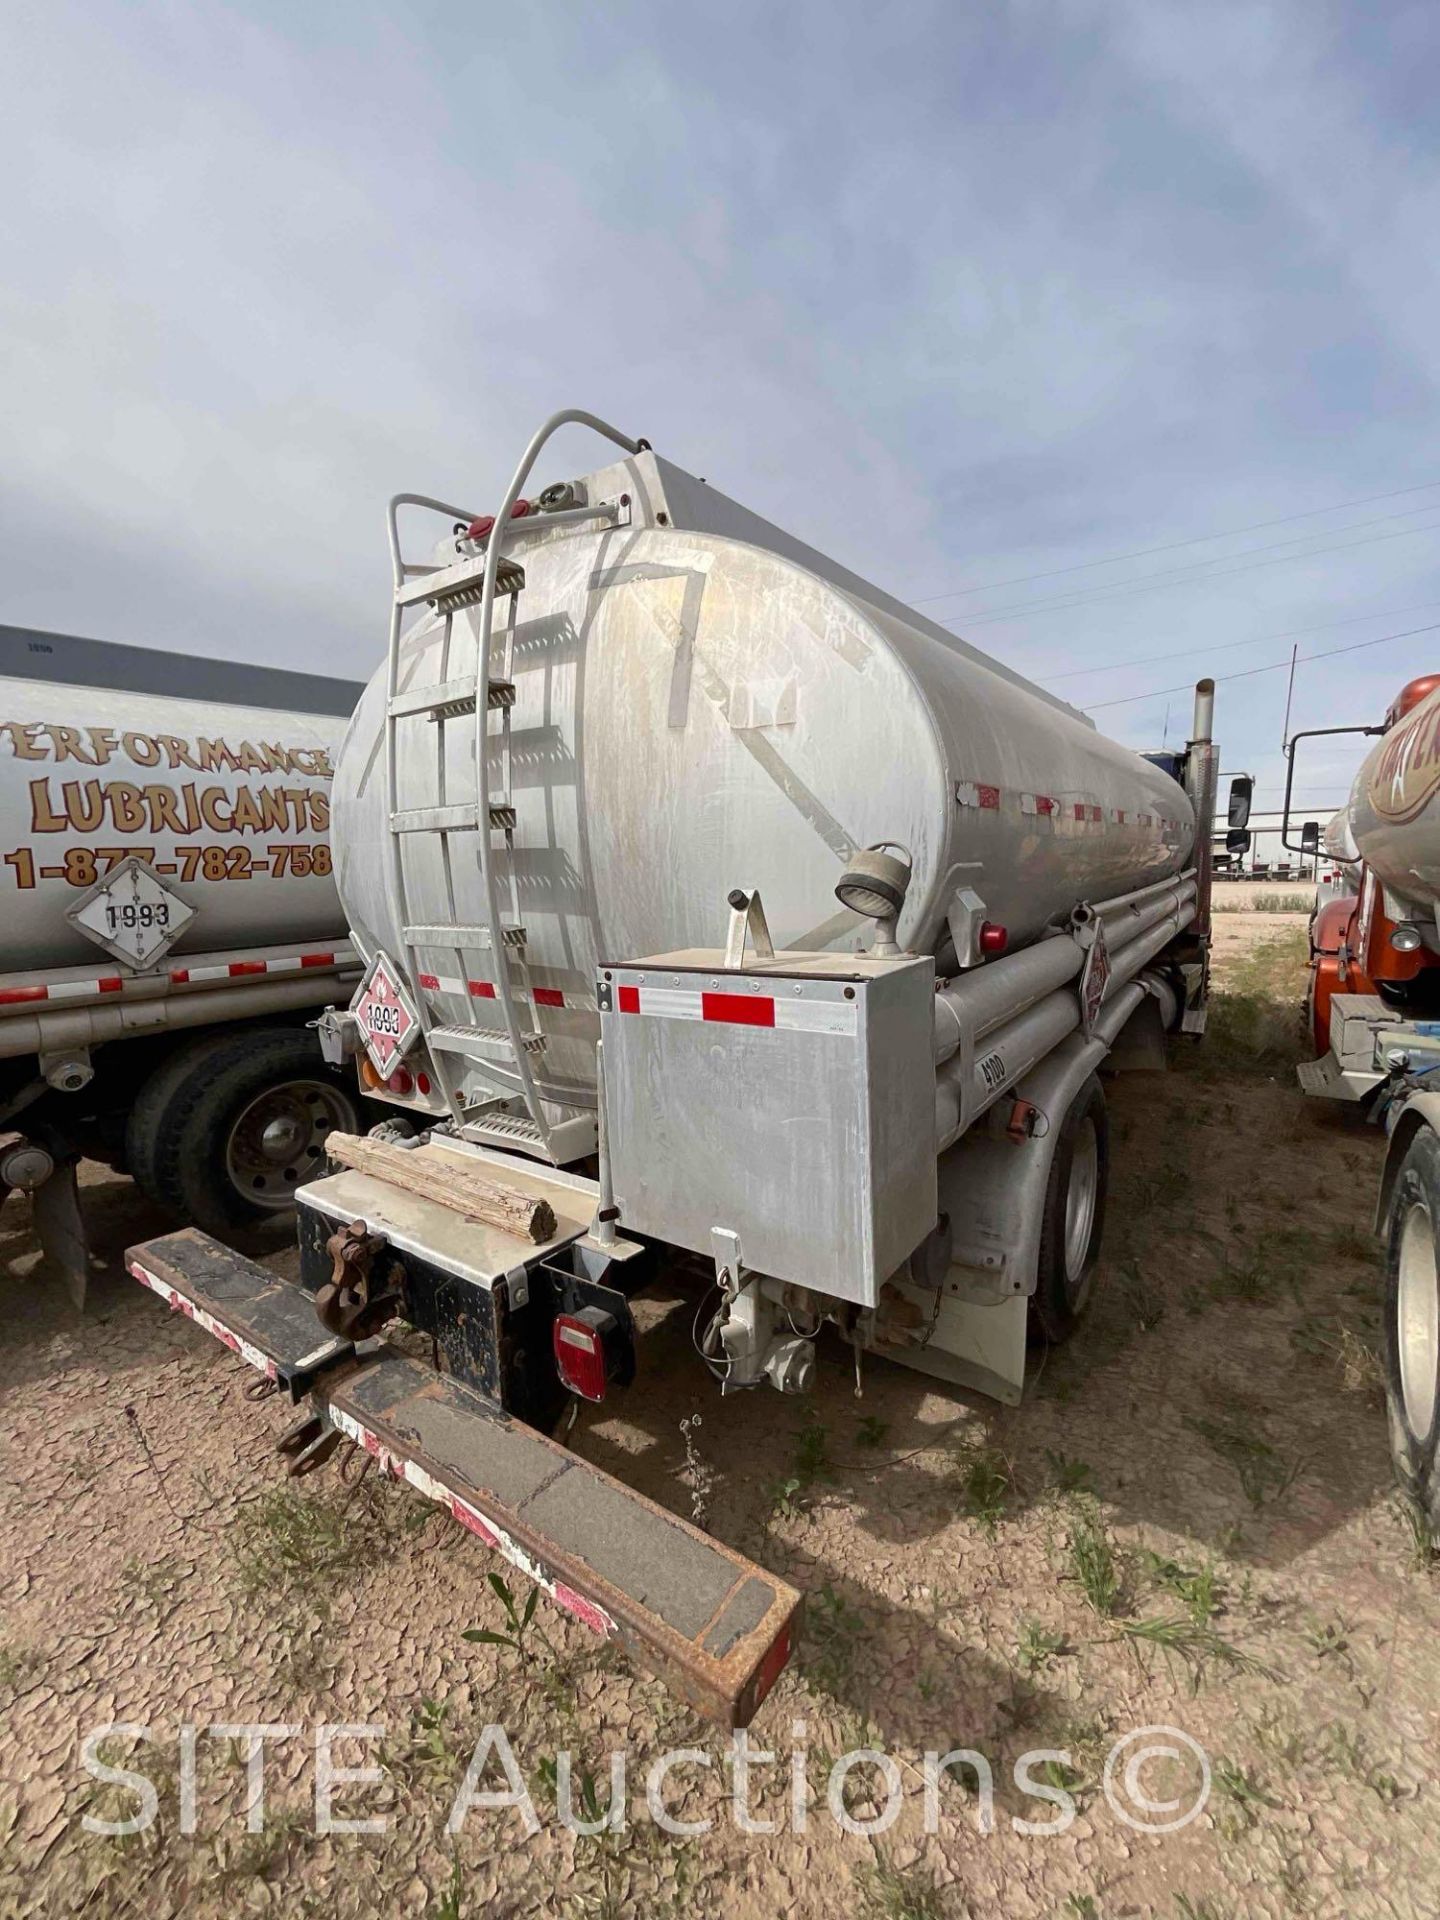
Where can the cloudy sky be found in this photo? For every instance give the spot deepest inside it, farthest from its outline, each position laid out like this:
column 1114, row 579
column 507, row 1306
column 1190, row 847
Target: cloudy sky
column 974, row 297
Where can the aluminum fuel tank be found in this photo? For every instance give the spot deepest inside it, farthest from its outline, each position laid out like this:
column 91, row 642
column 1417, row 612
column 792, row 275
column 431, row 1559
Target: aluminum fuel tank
column 695, row 713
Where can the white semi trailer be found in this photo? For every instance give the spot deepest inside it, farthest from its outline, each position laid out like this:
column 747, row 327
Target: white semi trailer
column 711, row 902
column 170, row 921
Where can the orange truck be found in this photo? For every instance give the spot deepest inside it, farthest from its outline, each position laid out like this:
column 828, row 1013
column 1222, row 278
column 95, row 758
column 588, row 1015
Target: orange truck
column 1374, row 1010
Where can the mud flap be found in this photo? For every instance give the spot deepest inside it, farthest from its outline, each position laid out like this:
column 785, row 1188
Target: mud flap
column 60, row 1226
column 714, row 1625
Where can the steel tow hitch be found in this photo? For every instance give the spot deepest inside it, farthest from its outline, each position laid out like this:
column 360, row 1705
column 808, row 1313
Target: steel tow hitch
column 348, row 1304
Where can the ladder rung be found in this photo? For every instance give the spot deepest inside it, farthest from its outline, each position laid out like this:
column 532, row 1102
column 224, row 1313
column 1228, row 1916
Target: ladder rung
column 461, row 818
column 458, row 936
column 450, row 699
column 481, row 1043
column 462, row 585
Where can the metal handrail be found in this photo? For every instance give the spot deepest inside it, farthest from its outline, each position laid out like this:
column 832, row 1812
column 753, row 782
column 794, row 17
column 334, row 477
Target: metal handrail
column 401, row 568
column 568, row 417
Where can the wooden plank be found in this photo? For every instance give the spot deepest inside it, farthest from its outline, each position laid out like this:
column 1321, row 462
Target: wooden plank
column 442, row 1177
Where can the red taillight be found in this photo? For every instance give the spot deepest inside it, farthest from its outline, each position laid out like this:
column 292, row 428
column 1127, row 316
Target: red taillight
column 400, row 1081
column 580, row 1356
column 993, row 937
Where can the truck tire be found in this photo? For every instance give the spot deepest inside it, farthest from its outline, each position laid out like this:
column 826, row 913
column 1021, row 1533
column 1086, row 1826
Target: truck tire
column 1074, row 1217
column 227, row 1132
column 148, row 1111
column 1412, row 1322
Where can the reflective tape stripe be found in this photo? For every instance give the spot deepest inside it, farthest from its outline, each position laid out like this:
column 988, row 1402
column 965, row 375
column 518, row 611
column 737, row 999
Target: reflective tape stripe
column 485, row 990
column 178, row 1303
column 738, row 1009
column 792, row 1014
column 474, row 1521
column 176, row 976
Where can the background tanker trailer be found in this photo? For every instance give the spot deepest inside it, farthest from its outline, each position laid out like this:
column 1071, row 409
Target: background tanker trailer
column 1375, row 1008
column 711, row 901
column 170, row 920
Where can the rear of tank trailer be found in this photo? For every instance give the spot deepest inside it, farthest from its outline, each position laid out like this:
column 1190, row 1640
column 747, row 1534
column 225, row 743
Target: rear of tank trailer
column 710, row 901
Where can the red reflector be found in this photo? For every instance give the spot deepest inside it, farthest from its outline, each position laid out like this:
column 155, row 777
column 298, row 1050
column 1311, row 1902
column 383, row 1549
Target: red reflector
column 580, row 1354
column 429, row 981
column 400, row 1081
column 993, row 937
column 317, row 959
column 482, row 989
column 12, row 996
column 738, row 1009
column 112, row 983
column 422, row 1082
column 989, row 797
column 237, row 967
column 549, row 997
column 629, row 999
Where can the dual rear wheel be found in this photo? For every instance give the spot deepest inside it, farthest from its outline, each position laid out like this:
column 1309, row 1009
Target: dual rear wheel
column 230, row 1125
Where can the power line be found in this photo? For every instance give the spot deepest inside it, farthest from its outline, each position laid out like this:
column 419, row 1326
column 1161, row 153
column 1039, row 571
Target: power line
column 1276, row 666
column 1160, row 582
column 1228, row 646
column 1173, row 546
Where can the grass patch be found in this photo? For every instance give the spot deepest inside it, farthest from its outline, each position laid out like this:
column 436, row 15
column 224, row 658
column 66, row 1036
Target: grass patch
column 16, row 1666
column 1092, row 1562
column 812, row 1453
column 888, row 1893
column 1195, row 1644
column 1038, row 1647
column 1262, row 1474
column 1142, row 1301
column 287, row 1545
column 986, row 1483
column 1418, row 1530
column 832, row 1628
column 1254, row 1024
column 1198, row 1588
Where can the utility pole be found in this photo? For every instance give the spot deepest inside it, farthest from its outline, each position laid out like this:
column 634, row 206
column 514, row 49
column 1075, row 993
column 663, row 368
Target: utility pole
column 1289, row 696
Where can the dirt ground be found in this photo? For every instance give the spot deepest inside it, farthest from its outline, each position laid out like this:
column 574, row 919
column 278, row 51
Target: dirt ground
column 1189, row 1524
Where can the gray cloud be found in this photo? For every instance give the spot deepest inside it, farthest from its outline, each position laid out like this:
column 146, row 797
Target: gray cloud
column 958, row 294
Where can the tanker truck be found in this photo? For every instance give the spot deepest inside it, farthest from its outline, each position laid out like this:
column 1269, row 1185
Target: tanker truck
column 717, row 911
column 170, row 923
column 1375, row 1014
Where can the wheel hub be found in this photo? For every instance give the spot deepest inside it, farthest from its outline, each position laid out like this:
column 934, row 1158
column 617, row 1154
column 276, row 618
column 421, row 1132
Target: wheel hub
column 1080, row 1197
column 1417, row 1316
column 278, row 1140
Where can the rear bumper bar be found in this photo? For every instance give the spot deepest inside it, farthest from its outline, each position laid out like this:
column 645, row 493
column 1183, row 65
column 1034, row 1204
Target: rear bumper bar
column 715, row 1626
